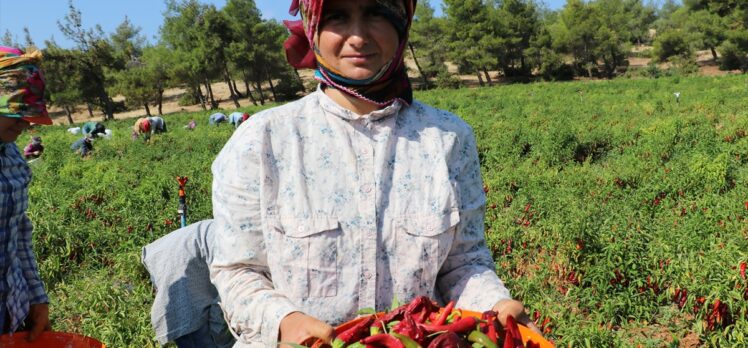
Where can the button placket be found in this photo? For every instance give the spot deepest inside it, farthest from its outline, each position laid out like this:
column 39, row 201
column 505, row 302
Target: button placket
column 367, row 210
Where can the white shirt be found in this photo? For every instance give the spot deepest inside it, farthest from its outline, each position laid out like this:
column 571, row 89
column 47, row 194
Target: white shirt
column 326, row 212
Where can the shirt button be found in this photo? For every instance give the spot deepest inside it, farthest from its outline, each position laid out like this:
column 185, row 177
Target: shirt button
column 366, row 188
column 364, row 151
column 301, row 228
column 367, row 275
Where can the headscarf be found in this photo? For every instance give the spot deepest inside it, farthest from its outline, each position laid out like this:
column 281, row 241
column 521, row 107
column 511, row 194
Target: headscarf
column 22, row 86
column 389, row 84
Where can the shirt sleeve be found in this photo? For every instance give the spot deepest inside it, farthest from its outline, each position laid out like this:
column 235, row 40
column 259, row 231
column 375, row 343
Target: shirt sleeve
column 468, row 275
column 28, row 263
column 239, row 268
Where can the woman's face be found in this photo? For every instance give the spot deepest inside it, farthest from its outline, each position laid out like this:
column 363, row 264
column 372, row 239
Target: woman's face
column 11, row 128
column 355, row 38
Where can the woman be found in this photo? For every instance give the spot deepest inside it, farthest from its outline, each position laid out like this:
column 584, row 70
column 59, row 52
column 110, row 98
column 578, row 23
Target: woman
column 351, row 196
column 24, row 305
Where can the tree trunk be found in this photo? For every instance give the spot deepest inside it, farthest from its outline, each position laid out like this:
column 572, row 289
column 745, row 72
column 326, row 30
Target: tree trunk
column 213, row 104
column 160, row 101
column 236, row 89
column 90, row 110
column 714, row 53
column 420, row 71
column 147, row 109
column 200, row 96
column 69, row 114
column 231, row 88
column 303, row 89
column 108, row 106
column 272, row 88
column 488, row 77
column 249, row 92
column 480, row 77
column 258, row 87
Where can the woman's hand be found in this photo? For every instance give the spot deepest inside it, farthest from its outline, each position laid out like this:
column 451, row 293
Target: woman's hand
column 298, row 327
column 38, row 320
column 517, row 310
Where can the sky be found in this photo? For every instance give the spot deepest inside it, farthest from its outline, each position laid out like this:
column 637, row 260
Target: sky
column 145, row 14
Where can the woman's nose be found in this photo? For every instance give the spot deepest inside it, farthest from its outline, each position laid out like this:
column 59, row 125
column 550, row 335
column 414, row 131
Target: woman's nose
column 358, row 35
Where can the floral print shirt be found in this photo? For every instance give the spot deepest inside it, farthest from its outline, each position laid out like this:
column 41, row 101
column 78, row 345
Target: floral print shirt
column 326, row 212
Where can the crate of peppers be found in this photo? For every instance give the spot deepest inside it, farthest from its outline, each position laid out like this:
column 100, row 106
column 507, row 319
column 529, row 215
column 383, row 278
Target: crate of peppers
column 421, row 323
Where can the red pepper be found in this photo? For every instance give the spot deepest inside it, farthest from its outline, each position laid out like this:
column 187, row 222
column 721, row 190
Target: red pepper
column 492, row 325
column 443, row 316
column 408, row 327
column 420, row 308
column 397, row 314
column 742, row 270
column 356, row 332
column 508, row 339
column 448, row 340
column 463, row 325
column 382, row 340
column 513, row 330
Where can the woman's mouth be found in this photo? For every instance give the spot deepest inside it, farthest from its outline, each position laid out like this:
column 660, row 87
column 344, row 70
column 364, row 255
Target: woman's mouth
column 359, row 58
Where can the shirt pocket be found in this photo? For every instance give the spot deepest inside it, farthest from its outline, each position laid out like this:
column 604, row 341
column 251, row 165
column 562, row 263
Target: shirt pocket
column 310, row 256
column 422, row 245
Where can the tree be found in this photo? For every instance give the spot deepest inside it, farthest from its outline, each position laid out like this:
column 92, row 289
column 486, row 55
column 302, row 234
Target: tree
column 63, row 78
column 127, row 42
column 95, row 54
column 159, row 60
column 243, row 17
column 183, row 31
column 516, row 23
column 426, row 43
column 468, row 23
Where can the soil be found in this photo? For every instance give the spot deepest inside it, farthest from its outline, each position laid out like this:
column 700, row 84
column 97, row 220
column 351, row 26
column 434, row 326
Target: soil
column 221, row 92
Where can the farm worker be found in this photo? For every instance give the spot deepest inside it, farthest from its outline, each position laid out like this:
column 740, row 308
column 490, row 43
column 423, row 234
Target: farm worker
column 34, row 149
column 351, row 196
column 158, row 125
column 83, row 146
column 191, row 125
column 216, row 118
column 93, row 128
column 23, row 300
column 142, row 125
column 185, row 309
column 236, row 118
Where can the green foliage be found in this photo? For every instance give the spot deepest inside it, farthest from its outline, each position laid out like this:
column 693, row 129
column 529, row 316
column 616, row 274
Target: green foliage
column 670, row 44
column 606, row 197
column 732, row 57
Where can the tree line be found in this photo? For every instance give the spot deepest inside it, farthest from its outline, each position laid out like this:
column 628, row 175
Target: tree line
column 521, row 39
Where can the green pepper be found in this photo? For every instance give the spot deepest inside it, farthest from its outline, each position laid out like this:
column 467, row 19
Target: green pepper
column 373, row 330
column 356, row 345
column 479, row 337
column 407, row 341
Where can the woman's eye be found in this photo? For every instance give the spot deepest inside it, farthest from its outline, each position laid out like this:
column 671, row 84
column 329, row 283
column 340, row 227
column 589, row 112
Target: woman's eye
column 333, row 17
column 377, row 13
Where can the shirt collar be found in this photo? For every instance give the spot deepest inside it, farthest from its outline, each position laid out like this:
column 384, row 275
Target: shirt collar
column 332, row 107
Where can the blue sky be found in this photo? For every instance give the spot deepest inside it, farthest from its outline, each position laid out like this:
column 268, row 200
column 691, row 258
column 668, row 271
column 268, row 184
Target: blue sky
column 42, row 17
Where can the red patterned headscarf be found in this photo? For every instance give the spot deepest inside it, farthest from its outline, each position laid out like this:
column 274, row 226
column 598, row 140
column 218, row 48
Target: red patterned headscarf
column 22, row 86
column 389, row 84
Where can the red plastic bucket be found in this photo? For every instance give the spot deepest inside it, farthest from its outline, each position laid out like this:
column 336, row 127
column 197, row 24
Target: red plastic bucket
column 49, row 339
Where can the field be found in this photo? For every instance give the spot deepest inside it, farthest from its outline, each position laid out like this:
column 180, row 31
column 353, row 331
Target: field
column 616, row 212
